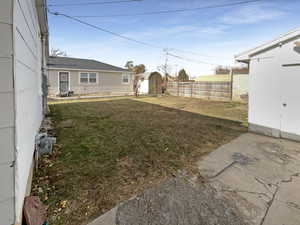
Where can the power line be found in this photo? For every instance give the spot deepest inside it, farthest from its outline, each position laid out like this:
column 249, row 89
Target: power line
column 192, row 60
column 128, row 38
column 175, row 10
column 104, row 30
column 194, row 53
column 92, row 3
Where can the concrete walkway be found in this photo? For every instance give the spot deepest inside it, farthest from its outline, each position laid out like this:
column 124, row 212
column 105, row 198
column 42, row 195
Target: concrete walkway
column 253, row 180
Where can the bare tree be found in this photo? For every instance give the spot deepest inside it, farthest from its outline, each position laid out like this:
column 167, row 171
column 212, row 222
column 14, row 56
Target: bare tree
column 221, row 70
column 129, row 65
column 136, row 70
column 57, row 52
column 139, row 69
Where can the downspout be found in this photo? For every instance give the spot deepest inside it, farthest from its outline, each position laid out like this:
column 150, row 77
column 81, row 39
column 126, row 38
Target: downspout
column 14, row 163
column 44, row 74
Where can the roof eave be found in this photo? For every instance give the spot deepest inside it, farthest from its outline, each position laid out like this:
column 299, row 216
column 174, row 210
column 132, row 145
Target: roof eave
column 41, row 6
column 42, row 15
column 86, row 69
column 245, row 56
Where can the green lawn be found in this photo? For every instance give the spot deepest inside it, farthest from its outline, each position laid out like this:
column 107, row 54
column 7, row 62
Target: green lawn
column 110, row 150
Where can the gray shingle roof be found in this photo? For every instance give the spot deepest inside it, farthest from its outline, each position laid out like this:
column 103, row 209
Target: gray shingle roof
column 76, row 63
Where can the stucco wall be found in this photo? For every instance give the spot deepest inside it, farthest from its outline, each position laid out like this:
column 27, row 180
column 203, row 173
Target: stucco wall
column 269, row 83
column 108, row 83
column 7, row 193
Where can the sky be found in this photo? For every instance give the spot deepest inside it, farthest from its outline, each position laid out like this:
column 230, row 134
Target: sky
column 206, row 38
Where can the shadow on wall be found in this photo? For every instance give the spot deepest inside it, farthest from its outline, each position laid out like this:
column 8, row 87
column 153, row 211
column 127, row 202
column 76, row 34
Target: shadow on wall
column 297, row 49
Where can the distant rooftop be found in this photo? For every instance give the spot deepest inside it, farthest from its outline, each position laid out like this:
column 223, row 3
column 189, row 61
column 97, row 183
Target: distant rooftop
column 76, row 63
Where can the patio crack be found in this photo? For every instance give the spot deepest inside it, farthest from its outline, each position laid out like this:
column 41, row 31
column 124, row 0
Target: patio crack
column 291, row 178
column 270, row 203
column 244, row 191
column 223, row 170
column 266, row 186
column 293, row 205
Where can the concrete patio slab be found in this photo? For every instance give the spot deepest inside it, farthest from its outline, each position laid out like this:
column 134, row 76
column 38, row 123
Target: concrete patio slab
column 262, row 170
column 253, row 180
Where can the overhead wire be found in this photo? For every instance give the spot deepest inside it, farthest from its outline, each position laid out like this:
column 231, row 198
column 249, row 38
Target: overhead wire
column 167, row 50
column 173, row 11
column 92, row 3
column 74, row 18
column 104, row 30
column 192, row 60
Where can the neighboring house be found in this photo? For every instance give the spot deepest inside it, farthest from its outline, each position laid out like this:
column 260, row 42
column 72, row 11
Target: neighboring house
column 274, row 96
column 23, row 55
column 85, row 76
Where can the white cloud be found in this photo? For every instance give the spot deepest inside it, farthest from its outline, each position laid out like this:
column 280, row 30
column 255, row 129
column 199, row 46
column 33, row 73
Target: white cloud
column 251, row 14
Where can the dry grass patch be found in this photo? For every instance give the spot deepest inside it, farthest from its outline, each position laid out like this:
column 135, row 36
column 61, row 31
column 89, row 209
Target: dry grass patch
column 226, row 110
column 109, row 151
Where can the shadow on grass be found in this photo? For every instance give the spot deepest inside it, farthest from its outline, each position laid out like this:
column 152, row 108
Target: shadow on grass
column 109, row 151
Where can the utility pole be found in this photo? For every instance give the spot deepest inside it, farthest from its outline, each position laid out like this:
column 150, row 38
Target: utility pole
column 166, row 61
column 165, row 68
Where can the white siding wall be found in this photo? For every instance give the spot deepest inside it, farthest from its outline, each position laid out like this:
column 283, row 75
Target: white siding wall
column 266, row 86
column 109, row 83
column 6, row 114
column 28, row 94
column 264, row 90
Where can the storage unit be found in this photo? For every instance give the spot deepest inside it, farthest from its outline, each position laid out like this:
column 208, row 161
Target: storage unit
column 274, row 80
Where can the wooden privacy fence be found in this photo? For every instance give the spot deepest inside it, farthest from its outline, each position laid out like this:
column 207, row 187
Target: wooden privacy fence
column 201, row 89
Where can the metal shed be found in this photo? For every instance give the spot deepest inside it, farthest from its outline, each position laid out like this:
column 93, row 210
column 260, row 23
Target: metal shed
column 155, row 83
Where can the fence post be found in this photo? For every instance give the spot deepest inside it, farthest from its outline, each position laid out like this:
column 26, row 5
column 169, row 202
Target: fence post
column 178, row 87
column 231, row 84
column 192, row 83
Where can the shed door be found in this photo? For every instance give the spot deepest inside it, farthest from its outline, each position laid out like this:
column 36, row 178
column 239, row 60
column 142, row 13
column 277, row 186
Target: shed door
column 63, row 82
column 290, row 102
column 155, row 84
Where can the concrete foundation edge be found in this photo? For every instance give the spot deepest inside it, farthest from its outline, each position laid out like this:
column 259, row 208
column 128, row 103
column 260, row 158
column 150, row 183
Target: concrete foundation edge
column 272, row 132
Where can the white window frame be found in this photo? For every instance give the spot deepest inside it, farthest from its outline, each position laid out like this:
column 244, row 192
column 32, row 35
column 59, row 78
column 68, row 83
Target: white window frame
column 88, row 83
column 125, row 74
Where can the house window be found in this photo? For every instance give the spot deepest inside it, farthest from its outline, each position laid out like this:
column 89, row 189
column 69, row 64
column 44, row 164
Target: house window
column 125, row 78
column 84, row 78
column 92, row 78
column 88, row 78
